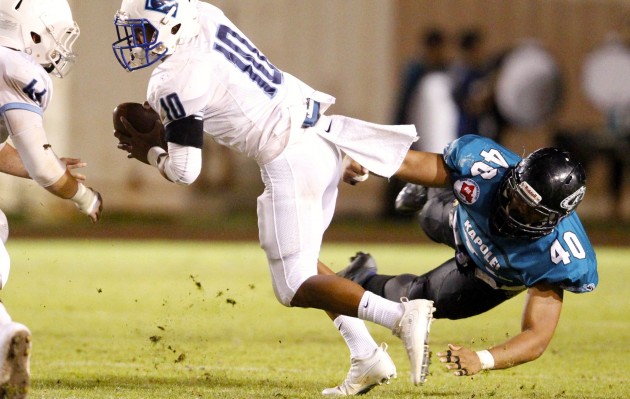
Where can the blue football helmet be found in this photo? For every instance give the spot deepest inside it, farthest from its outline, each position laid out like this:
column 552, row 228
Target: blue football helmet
column 150, row 30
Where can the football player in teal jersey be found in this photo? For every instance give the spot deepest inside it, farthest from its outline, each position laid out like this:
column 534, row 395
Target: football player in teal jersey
column 513, row 226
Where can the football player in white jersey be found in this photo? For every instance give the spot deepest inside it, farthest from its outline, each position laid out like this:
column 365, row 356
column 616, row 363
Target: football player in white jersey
column 210, row 78
column 36, row 38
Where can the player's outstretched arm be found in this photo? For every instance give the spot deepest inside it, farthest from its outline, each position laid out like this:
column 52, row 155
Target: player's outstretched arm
column 540, row 318
column 11, row 164
column 42, row 165
column 424, row 168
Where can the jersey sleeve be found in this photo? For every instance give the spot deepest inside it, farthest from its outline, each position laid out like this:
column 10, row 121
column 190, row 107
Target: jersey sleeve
column 570, row 263
column 465, row 156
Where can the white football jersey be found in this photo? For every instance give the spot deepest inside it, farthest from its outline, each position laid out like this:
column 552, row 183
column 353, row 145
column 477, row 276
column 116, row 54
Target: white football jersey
column 247, row 104
column 24, row 85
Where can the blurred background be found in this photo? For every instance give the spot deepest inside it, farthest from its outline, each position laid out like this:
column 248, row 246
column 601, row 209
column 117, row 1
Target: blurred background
column 529, row 73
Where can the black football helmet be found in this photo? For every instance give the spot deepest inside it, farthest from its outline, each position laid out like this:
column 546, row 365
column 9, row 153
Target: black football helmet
column 536, row 194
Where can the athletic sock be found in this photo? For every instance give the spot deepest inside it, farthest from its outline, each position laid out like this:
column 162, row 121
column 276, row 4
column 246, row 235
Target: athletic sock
column 380, row 310
column 356, row 335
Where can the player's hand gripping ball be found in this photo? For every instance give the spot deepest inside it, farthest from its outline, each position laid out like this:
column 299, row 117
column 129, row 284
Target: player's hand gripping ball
column 138, row 128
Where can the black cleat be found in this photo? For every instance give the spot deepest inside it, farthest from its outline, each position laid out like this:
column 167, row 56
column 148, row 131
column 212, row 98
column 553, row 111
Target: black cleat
column 411, row 199
column 362, row 266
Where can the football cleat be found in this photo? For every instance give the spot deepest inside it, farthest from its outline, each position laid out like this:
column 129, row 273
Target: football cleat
column 413, row 329
column 362, row 266
column 365, row 374
column 15, row 352
column 411, row 199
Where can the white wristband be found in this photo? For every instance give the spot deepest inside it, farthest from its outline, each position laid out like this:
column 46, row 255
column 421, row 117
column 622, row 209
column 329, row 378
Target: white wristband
column 84, row 199
column 486, row 359
column 154, row 155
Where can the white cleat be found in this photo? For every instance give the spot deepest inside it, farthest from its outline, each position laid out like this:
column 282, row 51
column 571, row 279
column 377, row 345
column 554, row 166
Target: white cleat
column 365, row 374
column 15, row 352
column 413, row 329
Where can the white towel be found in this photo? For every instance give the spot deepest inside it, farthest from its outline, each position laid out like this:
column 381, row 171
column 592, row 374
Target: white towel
column 379, row 148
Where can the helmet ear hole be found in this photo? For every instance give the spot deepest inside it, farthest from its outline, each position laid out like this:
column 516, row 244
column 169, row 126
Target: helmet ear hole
column 36, row 38
column 175, row 29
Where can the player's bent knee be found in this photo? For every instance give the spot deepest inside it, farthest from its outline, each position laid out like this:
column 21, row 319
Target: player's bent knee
column 284, row 300
column 288, row 275
column 283, row 294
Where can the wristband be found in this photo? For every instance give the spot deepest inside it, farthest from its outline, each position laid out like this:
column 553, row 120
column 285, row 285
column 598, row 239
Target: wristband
column 157, row 157
column 154, row 155
column 486, row 359
column 84, row 198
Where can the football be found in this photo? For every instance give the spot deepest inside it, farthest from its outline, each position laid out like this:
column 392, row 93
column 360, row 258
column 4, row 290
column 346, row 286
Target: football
column 141, row 117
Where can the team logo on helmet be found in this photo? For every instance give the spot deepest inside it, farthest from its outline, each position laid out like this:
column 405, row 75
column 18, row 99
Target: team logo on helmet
column 574, row 199
column 467, row 191
column 163, row 6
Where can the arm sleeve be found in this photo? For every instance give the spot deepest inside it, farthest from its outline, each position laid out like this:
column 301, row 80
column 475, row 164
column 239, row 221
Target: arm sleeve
column 181, row 165
column 29, row 138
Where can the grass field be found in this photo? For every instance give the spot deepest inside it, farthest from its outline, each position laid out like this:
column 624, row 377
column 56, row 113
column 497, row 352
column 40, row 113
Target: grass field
column 181, row 319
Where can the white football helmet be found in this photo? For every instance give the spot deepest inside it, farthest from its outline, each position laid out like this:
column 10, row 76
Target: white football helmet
column 43, row 29
column 149, row 30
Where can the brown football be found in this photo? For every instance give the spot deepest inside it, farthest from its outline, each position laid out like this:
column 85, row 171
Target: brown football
column 141, row 117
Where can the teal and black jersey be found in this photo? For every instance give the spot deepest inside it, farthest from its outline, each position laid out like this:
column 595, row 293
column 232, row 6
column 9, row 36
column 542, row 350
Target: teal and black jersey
column 565, row 257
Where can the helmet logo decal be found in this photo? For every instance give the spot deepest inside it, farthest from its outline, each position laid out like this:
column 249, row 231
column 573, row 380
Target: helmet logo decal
column 574, row 199
column 163, row 6
column 530, row 193
column 467, row 191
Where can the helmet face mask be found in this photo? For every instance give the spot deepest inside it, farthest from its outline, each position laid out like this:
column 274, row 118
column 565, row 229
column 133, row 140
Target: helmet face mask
column 55, row 48
column 44, row 29
column 537, row 194
column 150, row 30
column 137, row 45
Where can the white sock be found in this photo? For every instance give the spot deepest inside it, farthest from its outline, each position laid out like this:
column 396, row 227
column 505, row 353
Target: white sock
column 356, row 335
column 379, row 310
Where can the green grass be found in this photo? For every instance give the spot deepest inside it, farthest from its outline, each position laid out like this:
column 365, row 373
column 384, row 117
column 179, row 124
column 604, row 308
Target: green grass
column 177, row 319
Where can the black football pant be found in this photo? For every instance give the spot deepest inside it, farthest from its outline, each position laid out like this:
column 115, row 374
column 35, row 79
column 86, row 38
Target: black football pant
column 455, row 291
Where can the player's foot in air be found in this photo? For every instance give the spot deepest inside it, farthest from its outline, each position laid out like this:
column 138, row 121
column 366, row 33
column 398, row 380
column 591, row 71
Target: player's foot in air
column 365, row 374
column 413, row 329
column 15, row 352
column 362, row 266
